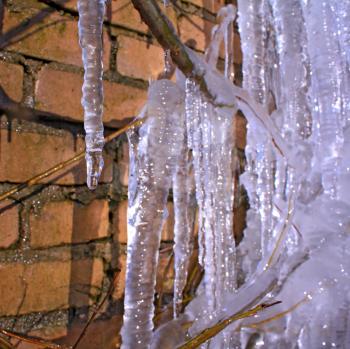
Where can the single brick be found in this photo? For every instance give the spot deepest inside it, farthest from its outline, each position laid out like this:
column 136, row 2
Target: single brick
column 120, row 101
column 28, row 154
column 67, row 222
column 138, row 59
column 122, row 223
column 51, row 36
column 11, row 79
column 8, row 223
column 47, row 286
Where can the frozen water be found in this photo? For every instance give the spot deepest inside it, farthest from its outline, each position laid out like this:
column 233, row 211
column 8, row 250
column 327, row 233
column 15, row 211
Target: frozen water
column 91, row 14
column 154, row 152
column 296, row 246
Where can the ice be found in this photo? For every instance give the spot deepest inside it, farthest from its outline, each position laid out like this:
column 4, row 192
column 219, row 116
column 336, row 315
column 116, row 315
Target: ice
column 154, row 151
column 91, row 14
column 185, row 211
column 296, row 247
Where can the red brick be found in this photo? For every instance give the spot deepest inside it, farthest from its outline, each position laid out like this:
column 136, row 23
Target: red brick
column 122, row 223
column 138, row 59
column 47, row 286
column 124, row 13
column 120, row 101
column 11, row 78
column 28, row 154
column 8, row 224
column 196, row 30
column 54, row 38
column 67, row 222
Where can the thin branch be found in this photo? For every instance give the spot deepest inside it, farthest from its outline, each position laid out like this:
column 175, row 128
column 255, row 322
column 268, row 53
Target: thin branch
column 163, row 30
column 36, row 179
column 214, row 330
column 96, row 311
column 275, row 317
column 39, row 342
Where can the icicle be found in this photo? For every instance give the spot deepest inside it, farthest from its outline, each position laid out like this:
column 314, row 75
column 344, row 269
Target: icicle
column 154, row 153
column 223, row 31
column 91, row 14
column 185, row 211
column 326, row 77
column 291, row 38
column 253, row 29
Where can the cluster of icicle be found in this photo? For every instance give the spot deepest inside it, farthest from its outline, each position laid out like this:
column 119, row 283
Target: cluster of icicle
column 296, row 247
column 91, row 14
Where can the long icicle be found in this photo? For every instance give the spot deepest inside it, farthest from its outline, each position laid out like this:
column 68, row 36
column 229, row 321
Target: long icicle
column 154, row 152
column 91, row 14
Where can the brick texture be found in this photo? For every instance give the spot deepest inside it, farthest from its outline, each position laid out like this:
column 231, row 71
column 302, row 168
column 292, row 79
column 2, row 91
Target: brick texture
column 67, row 222
column 28, row 154
column 41, row 62
column 47, row 286
column 11, row 78
column 8, row 223
column 47, row 35
column 120, row 101
column 195, row 31
column 139, row 59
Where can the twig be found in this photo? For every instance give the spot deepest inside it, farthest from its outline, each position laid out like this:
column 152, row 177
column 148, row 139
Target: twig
column 60, row 166
column 275, row 317
column 39, row 342
column 214, row 330
column 96, row 311
column 284, row 229
column 5, row 344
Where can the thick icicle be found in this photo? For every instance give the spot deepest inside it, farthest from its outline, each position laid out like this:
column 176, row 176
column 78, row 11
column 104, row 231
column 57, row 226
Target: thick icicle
column 252, row 19
column 91, row 14
column 326, row 77
column 154, row 151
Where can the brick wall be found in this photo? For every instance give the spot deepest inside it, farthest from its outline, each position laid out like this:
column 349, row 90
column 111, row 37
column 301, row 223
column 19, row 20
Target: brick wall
column 61, row 244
